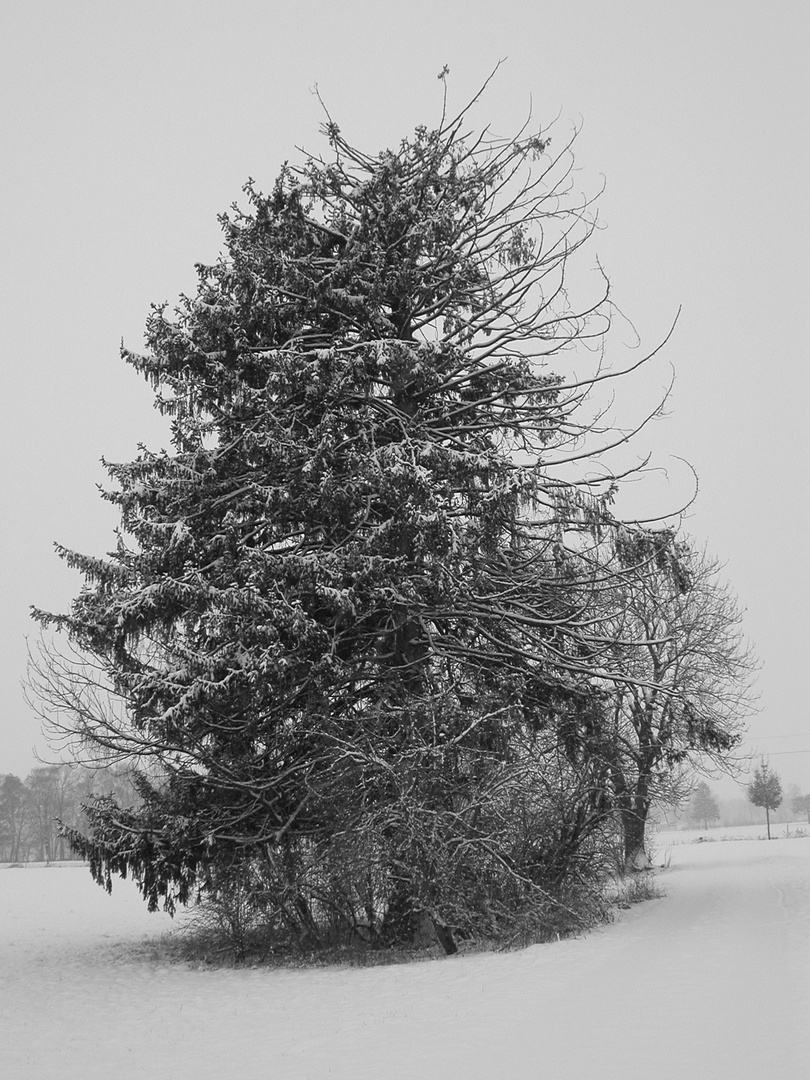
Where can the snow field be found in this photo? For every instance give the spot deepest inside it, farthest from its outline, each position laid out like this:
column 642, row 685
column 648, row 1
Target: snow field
column 712, row 981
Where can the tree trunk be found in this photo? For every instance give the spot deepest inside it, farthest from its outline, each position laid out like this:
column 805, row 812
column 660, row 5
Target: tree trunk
column 768, row 820
column 444, row 935
column 635, row 852
column 634, row 809
column 399, row 922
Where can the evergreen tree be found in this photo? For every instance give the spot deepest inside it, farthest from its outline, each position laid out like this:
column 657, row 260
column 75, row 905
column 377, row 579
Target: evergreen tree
column 765, row 790
column 342, row 629
column 703, row 807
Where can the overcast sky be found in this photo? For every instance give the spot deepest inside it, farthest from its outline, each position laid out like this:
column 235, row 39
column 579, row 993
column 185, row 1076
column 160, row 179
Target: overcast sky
column 126, row 128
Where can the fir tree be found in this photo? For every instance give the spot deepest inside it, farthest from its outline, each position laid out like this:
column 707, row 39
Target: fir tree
column 342, row 624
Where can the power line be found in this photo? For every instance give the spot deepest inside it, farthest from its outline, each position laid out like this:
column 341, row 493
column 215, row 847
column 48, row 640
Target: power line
column 798, row 735
column 780, row 753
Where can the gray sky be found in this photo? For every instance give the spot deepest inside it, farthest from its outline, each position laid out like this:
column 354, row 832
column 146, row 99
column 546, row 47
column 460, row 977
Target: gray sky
column 126, row 127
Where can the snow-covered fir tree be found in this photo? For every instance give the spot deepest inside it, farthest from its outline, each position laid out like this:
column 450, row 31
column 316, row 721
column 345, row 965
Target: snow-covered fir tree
column 348, row 631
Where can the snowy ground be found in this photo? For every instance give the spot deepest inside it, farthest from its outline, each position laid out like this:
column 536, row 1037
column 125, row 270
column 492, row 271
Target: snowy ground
column 713, row 981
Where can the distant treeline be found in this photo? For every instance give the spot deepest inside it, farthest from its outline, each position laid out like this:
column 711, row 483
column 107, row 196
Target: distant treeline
column 741, row 812
column 31, row 809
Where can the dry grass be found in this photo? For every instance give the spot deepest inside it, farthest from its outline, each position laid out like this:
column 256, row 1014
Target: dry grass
column 636, row 888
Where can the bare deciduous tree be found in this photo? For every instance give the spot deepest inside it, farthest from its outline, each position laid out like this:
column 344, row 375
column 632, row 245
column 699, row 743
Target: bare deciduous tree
column 676, row 635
